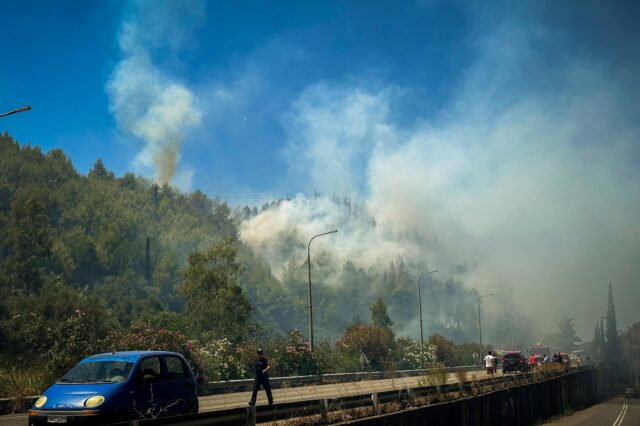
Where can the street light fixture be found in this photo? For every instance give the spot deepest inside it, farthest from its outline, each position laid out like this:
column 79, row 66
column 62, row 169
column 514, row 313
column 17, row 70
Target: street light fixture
column 17, row 110
column 310, row 302
column 480, row 319
column 420, row 302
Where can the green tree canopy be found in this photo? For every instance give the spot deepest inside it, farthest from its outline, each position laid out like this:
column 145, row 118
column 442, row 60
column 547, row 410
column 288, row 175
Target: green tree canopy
column 215, row 302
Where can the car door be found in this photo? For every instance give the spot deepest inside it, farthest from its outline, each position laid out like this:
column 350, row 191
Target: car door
column 180, row 386
column 148, row 398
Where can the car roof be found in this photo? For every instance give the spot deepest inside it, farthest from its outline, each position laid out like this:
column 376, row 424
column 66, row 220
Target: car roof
column 127, row 356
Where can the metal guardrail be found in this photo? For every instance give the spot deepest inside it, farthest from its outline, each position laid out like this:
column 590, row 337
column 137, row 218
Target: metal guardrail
column 251, row 415
column 213, row 388
column 229, row 386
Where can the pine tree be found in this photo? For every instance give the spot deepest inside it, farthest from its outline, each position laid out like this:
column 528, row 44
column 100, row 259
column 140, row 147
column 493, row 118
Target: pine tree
column 567, row 336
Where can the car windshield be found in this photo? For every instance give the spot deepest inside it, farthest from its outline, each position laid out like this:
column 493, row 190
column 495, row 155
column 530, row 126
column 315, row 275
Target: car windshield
column 105, row 371
column 512, row 356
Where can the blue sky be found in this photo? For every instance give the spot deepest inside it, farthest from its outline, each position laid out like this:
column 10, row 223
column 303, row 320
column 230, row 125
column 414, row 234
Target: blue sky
column 60, row 56
column 506, row 131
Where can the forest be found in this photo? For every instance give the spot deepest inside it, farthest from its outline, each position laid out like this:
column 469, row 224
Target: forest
column 99, row 262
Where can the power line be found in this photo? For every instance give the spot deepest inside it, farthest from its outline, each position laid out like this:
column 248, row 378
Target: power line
column 241, row 197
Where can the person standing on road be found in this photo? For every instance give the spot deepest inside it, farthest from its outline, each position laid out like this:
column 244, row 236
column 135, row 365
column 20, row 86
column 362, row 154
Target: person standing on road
column 532, row 362
column 489, row 363
column 262, row 378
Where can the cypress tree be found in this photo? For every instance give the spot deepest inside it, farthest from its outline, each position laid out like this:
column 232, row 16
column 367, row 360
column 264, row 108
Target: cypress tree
column 612, row 348
column 147, row 262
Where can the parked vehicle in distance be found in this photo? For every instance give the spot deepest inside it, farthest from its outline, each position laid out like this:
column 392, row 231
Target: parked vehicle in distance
column 540, row 349
column 631, row 393
column 119, row 386
column 514, row 361
column 581, row 357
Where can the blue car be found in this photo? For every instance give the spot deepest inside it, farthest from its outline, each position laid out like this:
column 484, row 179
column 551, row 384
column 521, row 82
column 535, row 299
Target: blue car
column 117, row 387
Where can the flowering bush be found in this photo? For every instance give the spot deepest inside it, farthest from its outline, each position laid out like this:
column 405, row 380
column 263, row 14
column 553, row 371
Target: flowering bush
column 145, row 337
column 221, row 360
column 293, row 357
column 375, row 344
column 409, row 354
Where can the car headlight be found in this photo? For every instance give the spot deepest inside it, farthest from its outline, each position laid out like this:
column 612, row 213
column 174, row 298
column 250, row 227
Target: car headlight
column 94, row 401
column 40, row 402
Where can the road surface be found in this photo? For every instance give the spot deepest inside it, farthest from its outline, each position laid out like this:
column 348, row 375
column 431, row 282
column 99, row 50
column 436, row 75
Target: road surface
column 614, row 412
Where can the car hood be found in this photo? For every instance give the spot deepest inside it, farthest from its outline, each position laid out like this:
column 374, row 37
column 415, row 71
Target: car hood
column 69, row 396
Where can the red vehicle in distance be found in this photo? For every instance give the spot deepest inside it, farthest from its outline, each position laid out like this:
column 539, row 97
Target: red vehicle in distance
column 514, row 361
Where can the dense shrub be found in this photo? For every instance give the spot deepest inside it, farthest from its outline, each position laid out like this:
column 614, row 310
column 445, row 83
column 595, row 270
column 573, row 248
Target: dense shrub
column 145, row 337
column 292, row 356
column 57, row 346
column 372, row 342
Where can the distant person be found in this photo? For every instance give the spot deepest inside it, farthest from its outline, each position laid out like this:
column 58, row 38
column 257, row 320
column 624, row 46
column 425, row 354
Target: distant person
column 532, row 362
column 262, row 378
column 490, row 363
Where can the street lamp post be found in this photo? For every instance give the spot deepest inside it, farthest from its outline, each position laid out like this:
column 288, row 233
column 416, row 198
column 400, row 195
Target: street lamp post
column 420, row 304
column 310, row 300
column 17, row 110
column 633, row 375
column 480, row 319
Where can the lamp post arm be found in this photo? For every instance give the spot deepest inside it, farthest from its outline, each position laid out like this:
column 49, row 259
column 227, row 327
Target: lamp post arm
column 17, row 110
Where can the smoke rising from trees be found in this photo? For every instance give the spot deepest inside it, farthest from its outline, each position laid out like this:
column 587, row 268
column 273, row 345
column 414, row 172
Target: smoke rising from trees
column 146, row 102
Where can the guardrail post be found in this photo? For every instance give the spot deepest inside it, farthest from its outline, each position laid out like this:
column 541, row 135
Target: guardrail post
column 479, row 388
column 411, row 395
column 324, row 410
column 439, row 391
column 251, row 416
column 376, row 403
column 461, row 389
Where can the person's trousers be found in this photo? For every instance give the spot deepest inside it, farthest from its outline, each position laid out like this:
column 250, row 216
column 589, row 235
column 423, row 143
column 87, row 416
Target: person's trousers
column 264, row 381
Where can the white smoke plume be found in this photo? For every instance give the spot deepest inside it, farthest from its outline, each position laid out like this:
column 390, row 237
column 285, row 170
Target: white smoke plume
column 145, row 101
column 537, row 190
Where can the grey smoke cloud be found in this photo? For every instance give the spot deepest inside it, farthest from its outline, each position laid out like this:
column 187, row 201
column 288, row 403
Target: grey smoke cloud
column 529, row 175
column 146, row 102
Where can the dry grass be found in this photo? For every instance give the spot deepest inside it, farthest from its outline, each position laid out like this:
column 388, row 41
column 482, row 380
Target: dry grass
column 434, row 376
column 18, row 383
column 462, row 376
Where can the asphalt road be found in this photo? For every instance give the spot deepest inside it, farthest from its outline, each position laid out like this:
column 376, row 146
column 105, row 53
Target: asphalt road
column 614, row 412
